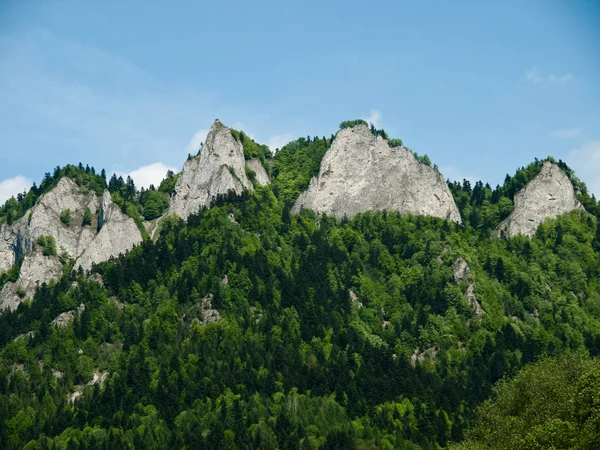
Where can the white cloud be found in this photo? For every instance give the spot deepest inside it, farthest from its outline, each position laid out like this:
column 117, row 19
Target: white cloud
column 146, row 175
column 562, row 79
column 194, row 144
column 374, row 118
column 12, row 186
column 278, row 141
column 566, row 133
column 585, row 160
column 454, row 174
column 534, row 75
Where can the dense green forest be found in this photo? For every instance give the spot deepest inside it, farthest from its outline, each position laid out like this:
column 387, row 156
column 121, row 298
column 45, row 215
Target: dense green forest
column 329, row 333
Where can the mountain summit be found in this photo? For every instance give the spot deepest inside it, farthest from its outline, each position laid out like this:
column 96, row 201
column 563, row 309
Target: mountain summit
column 220, row 168
column 361, row 172
column 549, row 194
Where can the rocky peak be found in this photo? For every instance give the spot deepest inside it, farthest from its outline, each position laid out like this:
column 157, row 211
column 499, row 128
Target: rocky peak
column 118, row 234
column 548, row 195
column 110, row 233
column 361, row 172
column 219, row 169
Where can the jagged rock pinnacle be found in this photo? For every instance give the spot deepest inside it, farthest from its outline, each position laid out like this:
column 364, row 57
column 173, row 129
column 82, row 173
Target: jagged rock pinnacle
column 219, row 169
column 361, row 172
column 549, row 194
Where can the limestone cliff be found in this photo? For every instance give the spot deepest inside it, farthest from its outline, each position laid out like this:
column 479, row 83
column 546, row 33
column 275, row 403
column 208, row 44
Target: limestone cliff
column 361, row 172
column 461, row 273
column 219, row 169
column 261, row 174
column 117, row 234
column 549, row 194
column 35, row 270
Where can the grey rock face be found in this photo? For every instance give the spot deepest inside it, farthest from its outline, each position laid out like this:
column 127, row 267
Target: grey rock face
column 8, row 239
column 67, row 317
column 44, row 219
column 548, row 195
column 36, row 270
column 218, row 169
column 360, row 172
column 461, row 272
column 118, row 234
column 259, row 170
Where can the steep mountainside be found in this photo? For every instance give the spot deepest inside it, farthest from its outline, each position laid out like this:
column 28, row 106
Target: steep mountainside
column 549, row 194
column 246, row 326
column 361, row 172
column 219, row 169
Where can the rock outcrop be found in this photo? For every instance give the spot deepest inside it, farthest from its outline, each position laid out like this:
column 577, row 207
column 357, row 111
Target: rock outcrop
column 117, row 234
column 35, row 270
column 261, row 174
column 219, row 169
column 461, row 272
column 361, row 172
column 548, row 195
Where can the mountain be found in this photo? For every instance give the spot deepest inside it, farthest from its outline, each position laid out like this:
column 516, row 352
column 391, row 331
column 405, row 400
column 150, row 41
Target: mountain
column 218, row 170
column 108, row 233
column 548, row 195
column 361, row 172
column 256, row 322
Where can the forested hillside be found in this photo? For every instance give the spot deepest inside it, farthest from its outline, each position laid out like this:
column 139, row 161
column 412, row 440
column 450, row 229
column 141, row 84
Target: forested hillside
column 251, row 327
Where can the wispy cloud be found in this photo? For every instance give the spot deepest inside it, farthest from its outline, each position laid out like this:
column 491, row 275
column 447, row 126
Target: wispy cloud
column 150, row 174
column 278, row 141
column 13, row 186
column 566, row 133
column 374, row 118
column 194, row 145
column 534, row 75
column 585, row 160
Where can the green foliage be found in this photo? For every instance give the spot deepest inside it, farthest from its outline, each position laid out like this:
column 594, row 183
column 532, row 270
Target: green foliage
column 87, row 217
column 12, row 274
column 395, row 142
column 294, row 166
column 251, row 174
column 423, row 159
column 167, row 186
column 48, row 245
column 65, row 217
column 154, row 203
column 294, row 361
column 352, row 123
column 332, row 333
column 253, row 149
column 554, row 403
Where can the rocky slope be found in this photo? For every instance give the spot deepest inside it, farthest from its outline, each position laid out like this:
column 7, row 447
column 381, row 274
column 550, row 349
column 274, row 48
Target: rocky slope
column 360, row 172
column 118, row 234
column 261, row 174
column 219, row 169
column 549, row 194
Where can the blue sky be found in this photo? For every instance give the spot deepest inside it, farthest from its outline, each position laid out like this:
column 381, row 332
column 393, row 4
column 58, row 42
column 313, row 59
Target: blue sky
column 481, row 87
